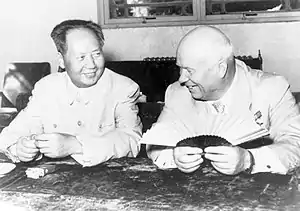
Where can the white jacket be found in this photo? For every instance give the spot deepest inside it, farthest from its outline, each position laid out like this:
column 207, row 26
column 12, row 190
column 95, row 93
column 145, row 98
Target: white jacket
column 102, row 117
column 252, row 92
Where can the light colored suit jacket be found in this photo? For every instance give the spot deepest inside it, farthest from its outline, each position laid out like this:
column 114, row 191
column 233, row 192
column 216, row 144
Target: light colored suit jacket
column 102, row 117
column 255, row 98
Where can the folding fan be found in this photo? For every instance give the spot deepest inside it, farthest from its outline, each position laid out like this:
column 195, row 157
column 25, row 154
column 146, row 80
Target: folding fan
column 235, row 128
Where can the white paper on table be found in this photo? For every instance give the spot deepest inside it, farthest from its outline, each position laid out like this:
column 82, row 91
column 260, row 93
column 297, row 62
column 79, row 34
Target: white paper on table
column 6, row 168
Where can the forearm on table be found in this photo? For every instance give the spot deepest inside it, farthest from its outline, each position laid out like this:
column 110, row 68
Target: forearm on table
column 25, row 124
column 288, row 151
column 100, row 148
column 8, row 144
column 11, row 152
column 279, row 157
column 160, row 141
column 17, row 129
column 161, row 156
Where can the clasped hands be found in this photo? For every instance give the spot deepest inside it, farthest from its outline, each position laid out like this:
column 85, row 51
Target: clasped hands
column 228, row 160
column 53, row 145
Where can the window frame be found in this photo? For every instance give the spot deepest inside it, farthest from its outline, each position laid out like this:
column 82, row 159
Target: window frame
column 199, row 17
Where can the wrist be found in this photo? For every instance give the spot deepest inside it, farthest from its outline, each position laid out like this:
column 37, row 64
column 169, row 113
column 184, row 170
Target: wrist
column 250, row 162
column 11, row 153
column 76, row 146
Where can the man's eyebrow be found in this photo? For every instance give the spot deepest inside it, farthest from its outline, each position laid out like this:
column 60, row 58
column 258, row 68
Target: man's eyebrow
column 188, row 68
column 84, row 53
column 98, row 49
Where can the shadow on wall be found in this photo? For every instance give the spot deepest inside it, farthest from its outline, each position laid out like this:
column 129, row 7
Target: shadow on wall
column 109, row 56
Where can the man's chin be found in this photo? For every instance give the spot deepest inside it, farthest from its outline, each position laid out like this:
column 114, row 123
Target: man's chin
column 200, row 97
column 87, row 83
column 197, row 97
column 90, row 79
column 90, row 83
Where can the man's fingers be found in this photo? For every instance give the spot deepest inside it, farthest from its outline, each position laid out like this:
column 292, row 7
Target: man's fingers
column 24, row 159
column 216, row 157
column 44, row 150
column 48, row 152
column 26, row 155
column 189, row 158
column 188, row 165
column 190, row 150
column 43, row 137
column 28, row 150
column 217, row 150
column 186, row 169
column 220, row 166
column 29, row 145
column 41, row 144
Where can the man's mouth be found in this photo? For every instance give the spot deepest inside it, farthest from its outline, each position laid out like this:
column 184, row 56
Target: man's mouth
column 90, row 74
column 191, row 86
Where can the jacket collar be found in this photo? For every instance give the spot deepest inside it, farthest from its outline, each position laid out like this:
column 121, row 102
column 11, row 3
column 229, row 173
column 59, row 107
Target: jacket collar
column 83, row 95
column 239, row 95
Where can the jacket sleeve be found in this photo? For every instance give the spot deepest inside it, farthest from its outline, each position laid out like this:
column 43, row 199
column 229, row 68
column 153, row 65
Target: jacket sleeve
column 119, row 142
column 284, row 154
column 168, row 129
column 27, row 122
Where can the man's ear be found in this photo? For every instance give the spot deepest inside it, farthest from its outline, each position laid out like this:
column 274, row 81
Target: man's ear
column 222, row 70
column 61, row 62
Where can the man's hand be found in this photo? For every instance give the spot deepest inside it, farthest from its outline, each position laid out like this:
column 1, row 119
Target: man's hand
column 26, row 149
column 58, row 145
column 228, row 160
column 188, row 159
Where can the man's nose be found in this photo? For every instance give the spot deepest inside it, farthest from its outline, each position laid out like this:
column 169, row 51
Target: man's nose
column 184, row 76
column 89, row 62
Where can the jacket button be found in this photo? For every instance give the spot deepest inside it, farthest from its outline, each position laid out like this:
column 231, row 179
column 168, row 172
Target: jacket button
column 79, row 123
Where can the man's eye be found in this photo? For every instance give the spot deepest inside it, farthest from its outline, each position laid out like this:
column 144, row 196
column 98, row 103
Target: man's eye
column 97, row 54
column 80, row 58
column 186, row 70
column 190, row 71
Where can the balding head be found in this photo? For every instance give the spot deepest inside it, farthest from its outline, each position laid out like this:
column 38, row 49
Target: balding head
column 205, row 44
column 205, row 58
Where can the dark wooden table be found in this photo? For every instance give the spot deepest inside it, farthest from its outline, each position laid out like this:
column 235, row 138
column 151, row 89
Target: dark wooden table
column 136, row 184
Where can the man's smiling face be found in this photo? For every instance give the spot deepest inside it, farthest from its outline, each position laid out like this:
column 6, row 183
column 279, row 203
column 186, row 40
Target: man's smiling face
column 84, row 59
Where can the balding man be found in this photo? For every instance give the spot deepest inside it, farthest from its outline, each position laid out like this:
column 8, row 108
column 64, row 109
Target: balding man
column 217, row 94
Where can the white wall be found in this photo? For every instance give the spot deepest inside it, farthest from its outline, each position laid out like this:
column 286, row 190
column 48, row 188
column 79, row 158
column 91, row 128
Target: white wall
column 279, row 44
column 26, row 26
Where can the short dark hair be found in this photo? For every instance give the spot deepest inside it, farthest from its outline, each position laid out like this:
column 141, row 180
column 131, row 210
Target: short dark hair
column 61, row 30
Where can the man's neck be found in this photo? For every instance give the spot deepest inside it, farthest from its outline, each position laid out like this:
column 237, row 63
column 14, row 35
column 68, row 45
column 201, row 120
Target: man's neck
column 226, row 84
